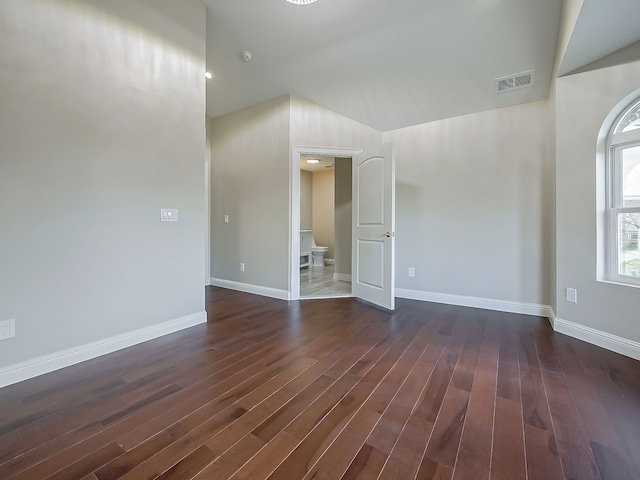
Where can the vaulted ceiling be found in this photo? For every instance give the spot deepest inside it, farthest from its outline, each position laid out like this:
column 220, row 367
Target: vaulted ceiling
column 395, row 63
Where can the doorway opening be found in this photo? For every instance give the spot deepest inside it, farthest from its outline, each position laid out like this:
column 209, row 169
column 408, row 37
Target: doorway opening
column 325, row 226
column 332, row 280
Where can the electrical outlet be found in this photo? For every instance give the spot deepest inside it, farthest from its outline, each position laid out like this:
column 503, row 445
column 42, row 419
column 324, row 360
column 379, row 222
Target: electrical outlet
column 226, row 219
column 242, row 267
column 7, row 329
column 572, row 295
column 412, row 272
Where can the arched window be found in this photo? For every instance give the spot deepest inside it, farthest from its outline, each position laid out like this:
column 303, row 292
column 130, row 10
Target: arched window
column 623, row 197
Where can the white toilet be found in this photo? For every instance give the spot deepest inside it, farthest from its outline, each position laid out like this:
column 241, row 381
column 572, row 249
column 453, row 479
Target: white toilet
column 317, row 254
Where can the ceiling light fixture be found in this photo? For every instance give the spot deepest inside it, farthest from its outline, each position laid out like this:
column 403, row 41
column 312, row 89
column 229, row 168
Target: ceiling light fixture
column 208, row 75
column 301, row 2
column 312, row 160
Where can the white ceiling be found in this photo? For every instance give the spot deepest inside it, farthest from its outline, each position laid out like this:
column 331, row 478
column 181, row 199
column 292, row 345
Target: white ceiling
column 603, row 27
column 325, row 163
column 389, row 63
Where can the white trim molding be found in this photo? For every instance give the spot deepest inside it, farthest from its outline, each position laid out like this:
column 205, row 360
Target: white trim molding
column 477, row 302
column 606, row 340
column 343, row 277
column 65, row 358
column 248, row 288
column 552, row 318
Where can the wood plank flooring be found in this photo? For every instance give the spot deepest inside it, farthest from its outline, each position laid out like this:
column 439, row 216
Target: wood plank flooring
column 333, row 389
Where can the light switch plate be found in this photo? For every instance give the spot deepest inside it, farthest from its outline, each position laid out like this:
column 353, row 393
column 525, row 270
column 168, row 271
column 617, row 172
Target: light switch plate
column 169, row 215
column 572, row 295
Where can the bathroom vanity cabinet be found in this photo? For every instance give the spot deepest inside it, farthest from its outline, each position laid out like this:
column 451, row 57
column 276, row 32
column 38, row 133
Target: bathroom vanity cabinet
column 305, row 248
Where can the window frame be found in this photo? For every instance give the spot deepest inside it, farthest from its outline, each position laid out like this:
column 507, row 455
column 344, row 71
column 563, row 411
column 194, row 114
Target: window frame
column 616, row 144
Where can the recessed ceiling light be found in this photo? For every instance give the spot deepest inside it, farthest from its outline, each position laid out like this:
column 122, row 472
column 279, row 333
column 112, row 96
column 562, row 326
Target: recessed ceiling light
column 209, row 75
column 313, row 160
column 301, row 2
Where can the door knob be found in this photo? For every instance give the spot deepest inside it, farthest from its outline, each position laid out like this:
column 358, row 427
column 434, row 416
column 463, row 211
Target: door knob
column 386, row 234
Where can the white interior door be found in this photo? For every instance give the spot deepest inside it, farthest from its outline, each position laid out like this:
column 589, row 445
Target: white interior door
column 373, row 266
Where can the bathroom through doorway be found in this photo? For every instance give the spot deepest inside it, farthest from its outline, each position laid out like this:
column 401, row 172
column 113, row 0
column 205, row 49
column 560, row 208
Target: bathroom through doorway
column 325, row 226
column 327, row 273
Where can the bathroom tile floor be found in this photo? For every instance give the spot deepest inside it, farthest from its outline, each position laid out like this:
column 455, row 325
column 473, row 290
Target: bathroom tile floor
column 319, row 282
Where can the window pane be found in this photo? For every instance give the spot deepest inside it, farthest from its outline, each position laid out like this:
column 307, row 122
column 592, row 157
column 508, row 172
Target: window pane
column 631, row 121
column 631, row 177
column 628, row 248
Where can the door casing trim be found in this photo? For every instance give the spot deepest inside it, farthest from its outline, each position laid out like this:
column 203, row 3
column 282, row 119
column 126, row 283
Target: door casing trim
column 294, row 205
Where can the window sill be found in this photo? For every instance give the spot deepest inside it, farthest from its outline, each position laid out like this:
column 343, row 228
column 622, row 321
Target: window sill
column 620, row 283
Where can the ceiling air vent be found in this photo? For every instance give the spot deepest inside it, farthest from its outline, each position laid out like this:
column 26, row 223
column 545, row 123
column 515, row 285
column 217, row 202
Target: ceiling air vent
column 512, row 82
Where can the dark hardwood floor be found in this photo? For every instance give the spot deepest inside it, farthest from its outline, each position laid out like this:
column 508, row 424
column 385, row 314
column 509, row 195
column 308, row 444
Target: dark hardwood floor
column 329, row 389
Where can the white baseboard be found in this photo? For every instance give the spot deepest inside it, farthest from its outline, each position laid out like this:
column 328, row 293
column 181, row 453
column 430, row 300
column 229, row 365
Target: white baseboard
column 65, row 358
column 476, row 302
column 596, row 337
column 605, row 340
column 552, row 318
column 248, row 288
column 343, row 277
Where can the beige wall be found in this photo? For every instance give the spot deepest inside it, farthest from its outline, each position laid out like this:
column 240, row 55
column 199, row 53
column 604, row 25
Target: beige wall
column 472, row 205
column 101, row 126
column 313, row 125
column 583, row 103
column 306, row 200
column 250, row 183
column 343, row 204
column 323, row 210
